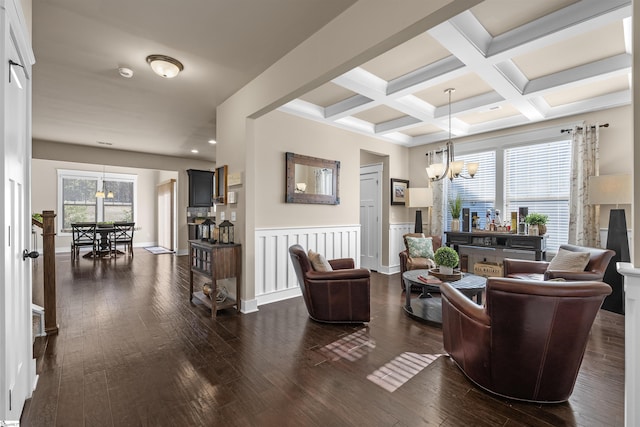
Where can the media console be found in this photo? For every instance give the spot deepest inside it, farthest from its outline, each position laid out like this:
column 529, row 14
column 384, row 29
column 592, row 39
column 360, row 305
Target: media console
column 489, row 239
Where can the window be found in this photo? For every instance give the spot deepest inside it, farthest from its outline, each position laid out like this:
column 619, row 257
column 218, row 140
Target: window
column 477, row 194
column 78, row 202
column 538, row 177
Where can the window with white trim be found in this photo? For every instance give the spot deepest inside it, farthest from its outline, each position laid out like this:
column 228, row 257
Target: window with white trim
column 477, row 194
column 77, row 201
column 538, row 176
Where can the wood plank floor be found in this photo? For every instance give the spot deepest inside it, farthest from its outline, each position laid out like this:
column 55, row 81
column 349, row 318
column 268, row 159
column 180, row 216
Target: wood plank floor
column 132, row 351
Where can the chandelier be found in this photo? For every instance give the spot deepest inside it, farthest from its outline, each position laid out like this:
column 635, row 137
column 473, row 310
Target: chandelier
column 450, row 167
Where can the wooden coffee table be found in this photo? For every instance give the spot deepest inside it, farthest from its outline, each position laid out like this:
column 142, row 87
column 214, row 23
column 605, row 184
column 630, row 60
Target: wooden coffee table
column 427, row 307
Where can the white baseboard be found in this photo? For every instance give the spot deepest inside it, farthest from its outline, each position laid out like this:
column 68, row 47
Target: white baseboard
column 248, row 306
column 279, row 296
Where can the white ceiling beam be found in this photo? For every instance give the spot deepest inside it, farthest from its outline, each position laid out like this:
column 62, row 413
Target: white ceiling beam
column 426, row 76
column 582, row 74
column 347, row 107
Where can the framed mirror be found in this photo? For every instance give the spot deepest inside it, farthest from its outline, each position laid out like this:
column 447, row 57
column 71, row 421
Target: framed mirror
column 312, row 180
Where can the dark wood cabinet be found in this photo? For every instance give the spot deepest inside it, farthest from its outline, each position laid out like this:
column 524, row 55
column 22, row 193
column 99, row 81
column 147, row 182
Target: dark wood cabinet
column 200, row 188
column 213, row 262
column 489, row 239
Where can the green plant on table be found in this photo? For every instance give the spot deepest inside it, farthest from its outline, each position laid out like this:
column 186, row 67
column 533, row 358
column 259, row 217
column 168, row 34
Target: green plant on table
column 535, row 218
column 455, row 206
column 446, row 257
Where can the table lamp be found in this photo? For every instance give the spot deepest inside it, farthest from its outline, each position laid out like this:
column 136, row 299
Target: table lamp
column 418, row 198
column 613, row 190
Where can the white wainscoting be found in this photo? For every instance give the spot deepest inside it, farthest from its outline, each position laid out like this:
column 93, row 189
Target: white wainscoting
column 396, row 245
column 275, row 277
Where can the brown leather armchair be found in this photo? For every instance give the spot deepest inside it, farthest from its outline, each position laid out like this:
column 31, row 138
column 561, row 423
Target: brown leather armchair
column 407, row 263
column 528, row 343
column 338, row 296
column 537, row 270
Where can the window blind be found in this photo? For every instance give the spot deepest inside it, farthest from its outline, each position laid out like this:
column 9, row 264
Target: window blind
column 477, row 194
column 538, row 177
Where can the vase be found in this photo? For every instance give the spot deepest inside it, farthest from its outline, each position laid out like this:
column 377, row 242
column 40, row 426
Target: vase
column 455, row 225
column 533, row 230
column 445, row 270
column 542, row 230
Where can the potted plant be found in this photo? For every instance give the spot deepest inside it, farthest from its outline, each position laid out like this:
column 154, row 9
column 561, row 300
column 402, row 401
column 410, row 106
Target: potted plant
column 455, row 208
column 446, row 259
column 537, row 223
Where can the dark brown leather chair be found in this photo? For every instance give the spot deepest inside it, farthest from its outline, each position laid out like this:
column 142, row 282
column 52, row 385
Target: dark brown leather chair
column 529, row 340
column 537, row 270
column 416, row 263
column 338, row 296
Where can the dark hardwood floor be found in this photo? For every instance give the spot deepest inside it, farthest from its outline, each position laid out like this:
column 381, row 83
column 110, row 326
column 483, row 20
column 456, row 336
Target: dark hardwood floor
column 132, row 351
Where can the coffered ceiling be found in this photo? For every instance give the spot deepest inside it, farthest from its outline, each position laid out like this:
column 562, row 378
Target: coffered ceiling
column 511, row 63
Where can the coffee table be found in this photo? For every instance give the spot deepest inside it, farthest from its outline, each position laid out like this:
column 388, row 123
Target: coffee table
column 429, row 308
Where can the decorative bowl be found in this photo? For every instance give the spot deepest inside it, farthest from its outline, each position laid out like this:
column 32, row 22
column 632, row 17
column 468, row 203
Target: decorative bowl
column 457, row 275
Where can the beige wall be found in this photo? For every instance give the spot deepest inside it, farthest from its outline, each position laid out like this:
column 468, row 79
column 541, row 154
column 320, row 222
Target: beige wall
column 616, row 146
column 277, row 133
column 45, row 196
column 48, row 150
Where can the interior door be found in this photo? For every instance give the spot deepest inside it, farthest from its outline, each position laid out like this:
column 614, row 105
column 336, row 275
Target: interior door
column 166, row 215
column 17, row 366
column 370, row 218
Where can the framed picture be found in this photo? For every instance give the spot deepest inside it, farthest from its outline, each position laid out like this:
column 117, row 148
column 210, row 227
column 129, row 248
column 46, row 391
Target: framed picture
column 398, row 190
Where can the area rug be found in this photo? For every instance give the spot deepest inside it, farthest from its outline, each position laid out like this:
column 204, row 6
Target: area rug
column 156, row 250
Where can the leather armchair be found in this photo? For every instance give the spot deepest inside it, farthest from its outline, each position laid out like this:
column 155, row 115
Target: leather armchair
column 529, row 340
column 338, row 296
column 537, row 270
column 407, row 263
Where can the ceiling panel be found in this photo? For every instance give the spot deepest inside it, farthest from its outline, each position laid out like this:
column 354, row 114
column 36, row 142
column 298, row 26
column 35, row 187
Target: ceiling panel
column 379, row 114
column 587, row 91
column 490, row 114
column 500, row 16
column 327, row 94
column 417, row 52
column 602, row 42
column 466, row 86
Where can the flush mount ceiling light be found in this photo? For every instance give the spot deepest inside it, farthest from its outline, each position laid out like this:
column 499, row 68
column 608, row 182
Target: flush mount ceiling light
column 212, row 141
column 164, row 66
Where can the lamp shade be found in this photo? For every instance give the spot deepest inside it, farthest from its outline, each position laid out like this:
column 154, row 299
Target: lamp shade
column 418, row 197
column 610, row 189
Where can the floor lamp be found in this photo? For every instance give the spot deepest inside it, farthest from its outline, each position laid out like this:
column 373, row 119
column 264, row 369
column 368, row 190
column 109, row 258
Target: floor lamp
column 418, row 198
column 613, row 190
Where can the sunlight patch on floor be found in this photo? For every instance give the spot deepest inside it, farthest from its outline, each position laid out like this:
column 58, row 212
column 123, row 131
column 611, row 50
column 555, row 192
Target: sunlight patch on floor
column 350, row 347
column 394, row 374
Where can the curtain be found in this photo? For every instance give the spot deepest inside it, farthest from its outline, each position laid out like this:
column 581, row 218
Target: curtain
column 438, row 210
column 584, row 218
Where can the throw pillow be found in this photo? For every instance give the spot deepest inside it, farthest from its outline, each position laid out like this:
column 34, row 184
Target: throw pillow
column 319, row 262
column 569, row 261
column 420, row 247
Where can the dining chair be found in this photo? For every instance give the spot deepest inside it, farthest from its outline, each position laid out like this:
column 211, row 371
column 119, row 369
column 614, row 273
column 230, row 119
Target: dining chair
column 123, row 235
column 83, row 235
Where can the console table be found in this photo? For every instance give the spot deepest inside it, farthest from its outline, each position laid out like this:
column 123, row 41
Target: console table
column 214, row 262
column 489, row 239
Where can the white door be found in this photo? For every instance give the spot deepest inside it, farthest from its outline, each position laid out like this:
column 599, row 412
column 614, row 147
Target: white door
column 370, row 217
column 166, row 214
column 17, row 368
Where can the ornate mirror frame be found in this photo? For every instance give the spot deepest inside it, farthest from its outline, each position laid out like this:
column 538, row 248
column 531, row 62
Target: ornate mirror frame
column 294, row 195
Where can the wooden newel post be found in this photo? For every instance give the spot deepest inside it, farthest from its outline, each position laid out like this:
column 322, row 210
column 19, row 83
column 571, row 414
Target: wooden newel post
column 49, row 255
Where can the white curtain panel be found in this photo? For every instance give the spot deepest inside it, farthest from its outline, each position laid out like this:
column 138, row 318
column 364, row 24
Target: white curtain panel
column 584, row 218
column 438, row 210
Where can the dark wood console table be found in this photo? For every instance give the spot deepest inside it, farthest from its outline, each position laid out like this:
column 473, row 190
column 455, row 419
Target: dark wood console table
column 214, row 262
column 488, row 239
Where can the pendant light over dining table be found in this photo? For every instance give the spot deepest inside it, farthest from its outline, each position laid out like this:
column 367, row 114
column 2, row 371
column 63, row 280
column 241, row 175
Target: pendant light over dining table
column 450, row 168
